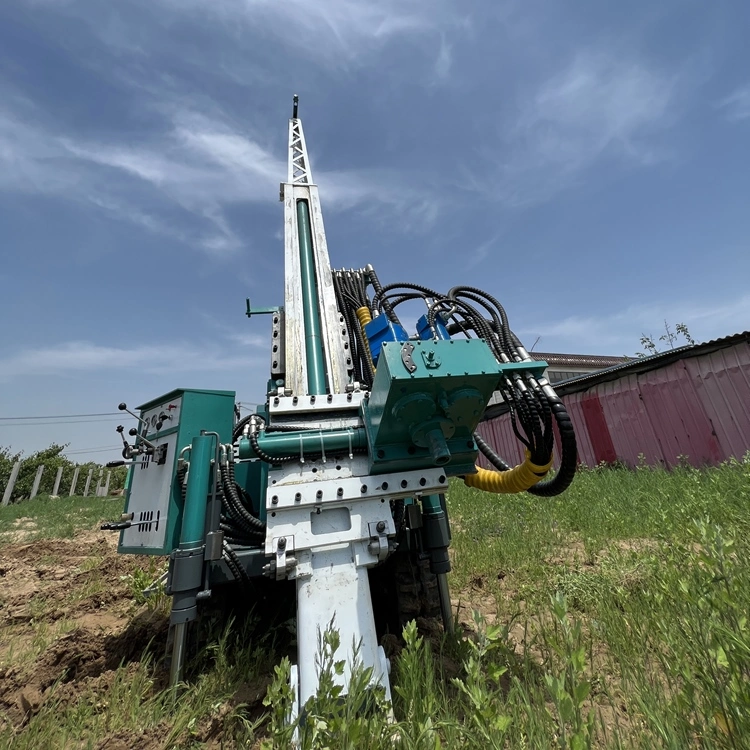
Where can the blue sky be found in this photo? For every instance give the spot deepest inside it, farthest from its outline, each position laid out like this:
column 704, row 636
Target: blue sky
column 585, row 162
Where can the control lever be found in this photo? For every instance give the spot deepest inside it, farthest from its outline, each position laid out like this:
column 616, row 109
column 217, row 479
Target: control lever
column 125, row 522
column 159, row 452
column 127, row 450
column 116, row 525
column 163, row 416
column 124, row 407
column 134, row 433
column 115, row 464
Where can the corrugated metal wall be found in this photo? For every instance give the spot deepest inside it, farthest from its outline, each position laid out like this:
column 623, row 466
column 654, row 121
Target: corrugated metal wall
column 697, row 407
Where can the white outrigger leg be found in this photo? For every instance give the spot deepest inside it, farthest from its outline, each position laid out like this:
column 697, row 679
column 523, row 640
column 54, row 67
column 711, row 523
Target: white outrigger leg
column 327, row 524
column 337, row 593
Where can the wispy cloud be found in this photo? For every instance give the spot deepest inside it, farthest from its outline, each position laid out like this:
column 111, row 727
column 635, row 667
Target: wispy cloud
column 335, row 33
column 197, row 164
column 736, row 106
column 87, row 357
column 444, row 60
column 619, row 332
column 599, row 105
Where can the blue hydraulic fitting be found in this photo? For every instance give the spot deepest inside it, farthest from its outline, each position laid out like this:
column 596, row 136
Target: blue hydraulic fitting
column 381, row 329
column 426, row 333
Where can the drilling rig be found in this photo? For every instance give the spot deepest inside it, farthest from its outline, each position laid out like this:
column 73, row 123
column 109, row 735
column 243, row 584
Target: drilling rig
column 338, row 481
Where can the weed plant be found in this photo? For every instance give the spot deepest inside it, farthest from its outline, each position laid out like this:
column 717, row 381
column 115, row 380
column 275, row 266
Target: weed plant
column 614, row 616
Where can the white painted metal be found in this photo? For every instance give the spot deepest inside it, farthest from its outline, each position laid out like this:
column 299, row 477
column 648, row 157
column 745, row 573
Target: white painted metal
column 150, row 489
column 327, row 523
column 299, row 172
column 336, row 593
column 170, row 410
column 337, row 354
column 11, row 482
column 294, row 326
column 290, row 405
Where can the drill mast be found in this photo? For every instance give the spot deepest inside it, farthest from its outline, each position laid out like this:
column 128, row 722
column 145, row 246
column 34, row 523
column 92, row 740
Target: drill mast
column 315, row 341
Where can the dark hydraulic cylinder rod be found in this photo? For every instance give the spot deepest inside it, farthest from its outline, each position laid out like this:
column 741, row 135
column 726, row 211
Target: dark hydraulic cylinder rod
column 316, row 372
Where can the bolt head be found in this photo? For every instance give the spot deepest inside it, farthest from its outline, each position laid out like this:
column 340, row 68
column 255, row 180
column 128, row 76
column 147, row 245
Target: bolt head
column 282, row 543
column 380, row 526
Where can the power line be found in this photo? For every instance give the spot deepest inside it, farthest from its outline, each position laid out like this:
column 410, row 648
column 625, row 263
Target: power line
column 100, row 449
column 66, row 416
column 71, row 421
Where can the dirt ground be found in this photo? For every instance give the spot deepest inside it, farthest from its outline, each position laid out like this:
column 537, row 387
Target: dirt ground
column 67, row 614
column 69, row 621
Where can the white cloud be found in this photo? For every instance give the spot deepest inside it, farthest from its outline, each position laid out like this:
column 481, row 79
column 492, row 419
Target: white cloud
column 599, row 105
column 198, row 164
column 737, row 105
column 334, row 33
column 87, row 357
column 444, row 60
column 619, row 332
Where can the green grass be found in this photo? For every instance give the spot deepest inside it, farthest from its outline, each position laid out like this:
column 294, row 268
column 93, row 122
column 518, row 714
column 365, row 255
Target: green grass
column 58, row 518
column 616, row 617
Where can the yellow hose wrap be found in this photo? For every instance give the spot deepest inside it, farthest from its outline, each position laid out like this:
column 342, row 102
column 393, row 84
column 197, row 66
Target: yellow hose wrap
column 518, row 479
column 364, row 318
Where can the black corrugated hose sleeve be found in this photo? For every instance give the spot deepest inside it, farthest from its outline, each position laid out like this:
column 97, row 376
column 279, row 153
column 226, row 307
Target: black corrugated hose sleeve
column 239, row 514
column 237, row 432
column 181, row 481
column 243, row 511
column 263, row 456
column 564, row 476
column 386, row 305
column 568, row 461
column 489, row 454
column 234, row 565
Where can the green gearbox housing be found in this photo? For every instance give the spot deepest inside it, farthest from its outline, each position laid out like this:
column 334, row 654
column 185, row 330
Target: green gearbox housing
column 426, row 401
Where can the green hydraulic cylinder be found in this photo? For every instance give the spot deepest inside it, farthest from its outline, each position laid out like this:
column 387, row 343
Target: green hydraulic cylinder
column 185, row 577
column 193, row 528
column 316, row 371
column 306, row 442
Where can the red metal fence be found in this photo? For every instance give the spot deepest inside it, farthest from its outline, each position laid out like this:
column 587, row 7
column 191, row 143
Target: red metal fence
column 691, row 404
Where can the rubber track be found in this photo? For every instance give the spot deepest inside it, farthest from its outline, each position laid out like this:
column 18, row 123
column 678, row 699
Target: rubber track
column 416, row 589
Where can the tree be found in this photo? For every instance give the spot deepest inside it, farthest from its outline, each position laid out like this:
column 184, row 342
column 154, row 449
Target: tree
column 52, row 458
column 669, row 337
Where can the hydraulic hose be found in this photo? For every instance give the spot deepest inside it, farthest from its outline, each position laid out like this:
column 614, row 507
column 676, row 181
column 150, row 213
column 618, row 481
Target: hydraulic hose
column 234, row 565
column 364, row 317
column 534, row 406
column 240, row 426
column 379, row 291
column 231, row 499
column 568, row 449
column 518, row 479
column 489, row 454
